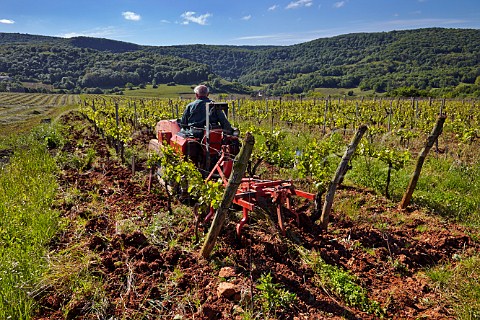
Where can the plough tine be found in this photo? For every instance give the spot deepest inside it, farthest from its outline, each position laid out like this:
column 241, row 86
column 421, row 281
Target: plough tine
column 289, row 206
column 210, row 215
column 242, row 222
column 280, row 218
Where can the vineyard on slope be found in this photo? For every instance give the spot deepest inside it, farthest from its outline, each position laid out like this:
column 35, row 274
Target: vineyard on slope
column 142, row 262
column 304, row 138
column 121, row 253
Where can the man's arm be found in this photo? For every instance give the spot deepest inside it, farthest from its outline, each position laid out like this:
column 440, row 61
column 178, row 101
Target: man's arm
column 185, row 116
column 224, row 121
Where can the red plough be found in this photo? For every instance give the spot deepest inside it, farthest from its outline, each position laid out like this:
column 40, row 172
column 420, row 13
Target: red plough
column 278, row 192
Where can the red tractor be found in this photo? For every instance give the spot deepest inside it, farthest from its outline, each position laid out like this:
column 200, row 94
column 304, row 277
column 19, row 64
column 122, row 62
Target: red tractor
column 213, row 151
column 209, row 148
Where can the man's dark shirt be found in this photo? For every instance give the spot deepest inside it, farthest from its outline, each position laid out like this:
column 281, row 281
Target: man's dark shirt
column 194, row 115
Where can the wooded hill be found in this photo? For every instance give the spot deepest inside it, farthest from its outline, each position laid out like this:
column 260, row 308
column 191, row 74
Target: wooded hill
column 419, row 59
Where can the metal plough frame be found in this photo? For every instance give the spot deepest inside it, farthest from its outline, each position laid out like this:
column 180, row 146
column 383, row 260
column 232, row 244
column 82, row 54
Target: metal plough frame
column 251, row 190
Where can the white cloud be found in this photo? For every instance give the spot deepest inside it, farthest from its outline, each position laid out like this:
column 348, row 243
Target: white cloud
column 339, row 4
column 95, row 33
column 129, row 15
column 299, row 4
column 290, row 38
column 278, row 38
column 417, row 23
column 7, row 21
column 164, row 21
column 246, row 18
column 275, row 6
column 299, row 37
column 257, row 37
column 189, row 16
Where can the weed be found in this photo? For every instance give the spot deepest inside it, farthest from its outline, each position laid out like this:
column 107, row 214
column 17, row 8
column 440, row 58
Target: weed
column 421, row 228
column 160, row 231
column 399, row 266
column 70, row 197
column 176, row 275
column 125, row 226
column 370, row 251
column 50, row 135
column 350, row 207
column 272, row 296
column 356, row 245
column 381, row 226
column 88, row 159
column 342, row 284
column 172, row 243
column 89, row 294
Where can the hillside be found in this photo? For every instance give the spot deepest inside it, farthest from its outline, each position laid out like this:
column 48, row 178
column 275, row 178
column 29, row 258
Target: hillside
column 422, row 58
column 72, row 64
column 9, row 38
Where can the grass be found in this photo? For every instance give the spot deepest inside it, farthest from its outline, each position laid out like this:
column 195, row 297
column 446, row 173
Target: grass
column 456, row 190
column 448, row 189
column 460, row 285
column 350, row 206
column 73, row 273
column 27, row 222
column 160, row 233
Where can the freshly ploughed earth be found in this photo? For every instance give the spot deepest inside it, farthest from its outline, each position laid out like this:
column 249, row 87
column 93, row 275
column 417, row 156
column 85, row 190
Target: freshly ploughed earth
column 144, row 262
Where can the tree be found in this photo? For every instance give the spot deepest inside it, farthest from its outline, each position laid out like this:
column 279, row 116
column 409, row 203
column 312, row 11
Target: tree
column 477, row 81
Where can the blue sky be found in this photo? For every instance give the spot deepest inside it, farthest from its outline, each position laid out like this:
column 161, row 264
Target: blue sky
column 244, row 22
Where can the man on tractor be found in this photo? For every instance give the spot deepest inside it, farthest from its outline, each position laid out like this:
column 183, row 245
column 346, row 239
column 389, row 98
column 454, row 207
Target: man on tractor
column 194, row 116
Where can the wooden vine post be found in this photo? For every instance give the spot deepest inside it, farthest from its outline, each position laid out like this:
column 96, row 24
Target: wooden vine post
column 325, row 117
column 437, row 130
column 117, row 125
column 239, row 168
column 341, row 171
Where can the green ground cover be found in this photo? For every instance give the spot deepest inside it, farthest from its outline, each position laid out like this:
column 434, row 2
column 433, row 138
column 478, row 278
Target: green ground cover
column 27, row 221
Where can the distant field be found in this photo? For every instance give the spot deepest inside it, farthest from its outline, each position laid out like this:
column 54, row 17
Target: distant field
column 163, row 91
column 171, row 92
column 20, row 111
column 343, row 91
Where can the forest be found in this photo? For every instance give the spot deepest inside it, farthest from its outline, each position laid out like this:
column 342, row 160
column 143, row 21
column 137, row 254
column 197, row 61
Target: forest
column 420, row 62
